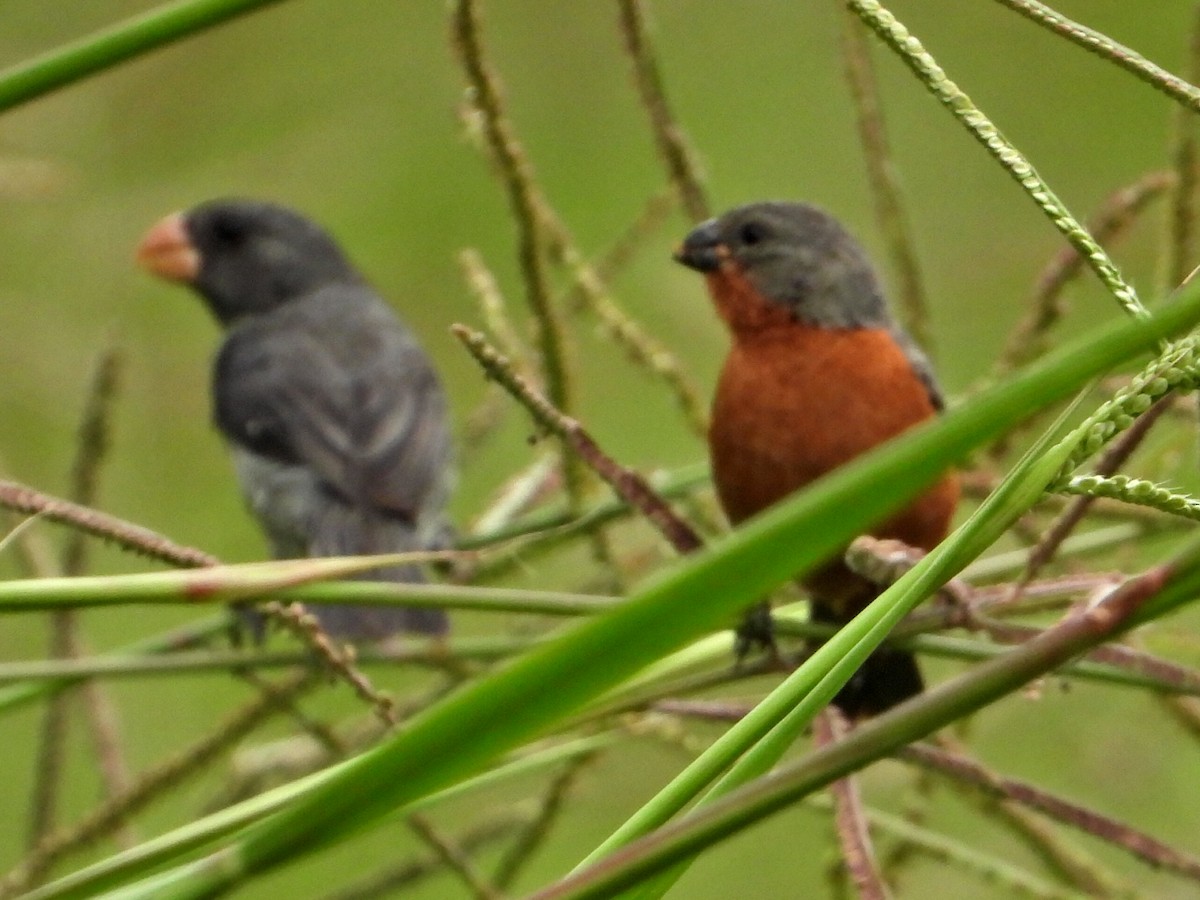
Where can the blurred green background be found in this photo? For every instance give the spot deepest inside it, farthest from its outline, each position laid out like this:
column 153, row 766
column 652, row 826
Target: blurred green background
column 348, row 111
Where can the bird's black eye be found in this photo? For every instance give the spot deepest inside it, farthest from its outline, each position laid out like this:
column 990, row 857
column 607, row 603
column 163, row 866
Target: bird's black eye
column 229, row 230
column 751, row 233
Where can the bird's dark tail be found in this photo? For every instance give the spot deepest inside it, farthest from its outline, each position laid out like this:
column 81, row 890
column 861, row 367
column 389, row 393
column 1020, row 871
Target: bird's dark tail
column 372, row 623
column 344, row 531
column 888, row 677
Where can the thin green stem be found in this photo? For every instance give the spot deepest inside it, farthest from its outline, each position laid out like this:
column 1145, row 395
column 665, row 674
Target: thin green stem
column 1134, row 490
column 685, row 838
column 77, row 60
column 950, row 95
column 1104, row 46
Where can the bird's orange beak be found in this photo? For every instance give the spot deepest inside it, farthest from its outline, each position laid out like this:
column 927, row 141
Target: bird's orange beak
column 168, row 252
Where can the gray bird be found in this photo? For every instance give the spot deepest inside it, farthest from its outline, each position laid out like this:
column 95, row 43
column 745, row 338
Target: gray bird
column 334, row 416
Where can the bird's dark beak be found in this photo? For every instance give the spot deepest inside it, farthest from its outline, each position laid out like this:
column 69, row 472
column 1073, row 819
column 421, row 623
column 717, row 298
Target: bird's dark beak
column 168, row 252
column 702, row 249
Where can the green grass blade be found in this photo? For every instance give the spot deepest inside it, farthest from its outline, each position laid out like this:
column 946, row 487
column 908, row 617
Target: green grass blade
column 138, row 861
column 754, row 744
column 105, row 49
column 634, row 864
column 458, row 736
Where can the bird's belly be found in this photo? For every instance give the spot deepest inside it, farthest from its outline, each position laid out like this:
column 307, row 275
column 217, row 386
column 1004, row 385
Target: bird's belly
column 788, row 412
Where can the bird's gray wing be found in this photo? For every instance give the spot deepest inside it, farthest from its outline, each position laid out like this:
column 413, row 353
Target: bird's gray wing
column 921, row 365
column 361, row 408
column 338, row 426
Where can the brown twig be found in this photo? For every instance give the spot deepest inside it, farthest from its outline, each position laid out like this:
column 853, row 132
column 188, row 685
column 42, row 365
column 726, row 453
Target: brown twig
column 535, row 832
column 1141, row 845
column 1070, row 863
column 668, row 136
column 67, row 642
column 454, row 858
column 1113, row 458
column 1168, row 676
column 487, row 416
column 517, row 175
column 878, row 737
column 487, row 291
column 143, row 541
column 881, row 176
column 976, row 608
column 151, row 784
column 338, row 660
column 639, row 345
column 849, row 817
column 1179, row 248
column 1073, row 866
column 630, row 486
column 396, row 878
column 93, row 446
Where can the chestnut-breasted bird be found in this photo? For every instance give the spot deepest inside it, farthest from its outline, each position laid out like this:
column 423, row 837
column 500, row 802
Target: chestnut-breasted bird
column 818, row 373
column 334, row 415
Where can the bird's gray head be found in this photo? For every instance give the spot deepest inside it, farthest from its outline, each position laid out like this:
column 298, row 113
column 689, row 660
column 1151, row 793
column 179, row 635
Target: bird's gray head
column 794, row 255
column 244, row 257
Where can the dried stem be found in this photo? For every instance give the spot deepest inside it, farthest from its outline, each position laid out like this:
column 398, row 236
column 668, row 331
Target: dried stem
column 882, row 178
column 93, row 447
column 494, row 309
column 1007, row 879
column 517, row 175
column 1142, row 846
column 976, row 608
column 142, row 540
column 150, row 785
column 1114, row 457
column 338, row 660
column 128, row 536
column 630, row 486
column 1068, row 861
column 878, row 737
column 1179, row 249
column 454, row 858
column 850, row 819
column 101, row 711
column 1065, row 860
column 66, row 640
column 534, row 834
column 396, row 878
column 668, row 135
column 1116, row 215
